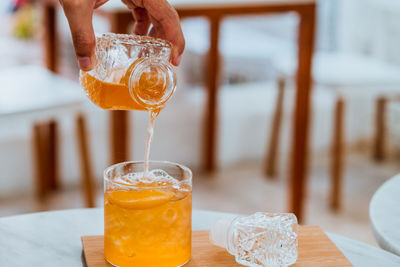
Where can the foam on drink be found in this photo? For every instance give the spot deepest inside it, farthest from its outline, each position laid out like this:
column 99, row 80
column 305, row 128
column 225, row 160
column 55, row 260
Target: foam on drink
column 153, row 178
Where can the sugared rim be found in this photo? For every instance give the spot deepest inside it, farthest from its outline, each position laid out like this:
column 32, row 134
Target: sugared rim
column 184, row 168
column 133, row 39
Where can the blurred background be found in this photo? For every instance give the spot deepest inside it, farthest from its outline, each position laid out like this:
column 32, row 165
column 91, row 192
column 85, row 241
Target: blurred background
column 355, row 113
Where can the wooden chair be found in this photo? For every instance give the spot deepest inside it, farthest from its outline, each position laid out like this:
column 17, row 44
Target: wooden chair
column 46, row 160
column 34, row 92
column 338, row 71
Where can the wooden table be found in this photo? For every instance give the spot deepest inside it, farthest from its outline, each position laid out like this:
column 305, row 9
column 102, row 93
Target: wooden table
column 27, row 90
column 384, row 212
column 215, row 11
column 49, row 238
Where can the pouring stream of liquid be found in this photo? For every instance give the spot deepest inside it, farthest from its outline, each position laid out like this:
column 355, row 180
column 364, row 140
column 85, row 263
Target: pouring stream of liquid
column 149, row 137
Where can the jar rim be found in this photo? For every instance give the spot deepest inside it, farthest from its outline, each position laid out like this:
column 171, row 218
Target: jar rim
column 131, row 39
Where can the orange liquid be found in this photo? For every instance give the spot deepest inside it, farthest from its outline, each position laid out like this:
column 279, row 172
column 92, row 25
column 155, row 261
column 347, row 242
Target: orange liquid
column 149, row 228
column 115, row 94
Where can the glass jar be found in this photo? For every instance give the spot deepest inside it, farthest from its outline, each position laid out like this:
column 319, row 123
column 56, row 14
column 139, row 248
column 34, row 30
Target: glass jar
column 131, row 73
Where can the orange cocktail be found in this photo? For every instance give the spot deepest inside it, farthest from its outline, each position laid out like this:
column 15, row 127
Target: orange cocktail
column 147, row 218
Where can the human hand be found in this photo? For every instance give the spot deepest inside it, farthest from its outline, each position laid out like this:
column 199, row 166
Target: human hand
column 159, row 13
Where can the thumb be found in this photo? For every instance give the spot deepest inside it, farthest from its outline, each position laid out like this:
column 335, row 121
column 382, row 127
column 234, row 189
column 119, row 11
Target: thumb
column 79, row 15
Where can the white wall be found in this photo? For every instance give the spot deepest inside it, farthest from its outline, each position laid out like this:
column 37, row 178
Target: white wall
column 370, row 27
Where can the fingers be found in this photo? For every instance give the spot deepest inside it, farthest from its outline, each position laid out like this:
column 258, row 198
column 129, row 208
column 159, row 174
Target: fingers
column 142, row 21
column 79, row 14
column 99, row 3
column 166, row 24
column 129, row 3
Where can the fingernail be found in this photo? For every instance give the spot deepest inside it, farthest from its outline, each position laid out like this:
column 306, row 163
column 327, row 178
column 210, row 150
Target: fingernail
column 84, row 63
column 178, row 60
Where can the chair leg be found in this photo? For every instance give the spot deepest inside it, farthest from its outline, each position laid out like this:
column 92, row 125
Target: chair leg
column 88, row 185
column 39, row 162
column 271, row 157
column 337, row 155
column 52, row 155
column 380, row 129
column 119, row 136
column 50, row 39
column 45, row 147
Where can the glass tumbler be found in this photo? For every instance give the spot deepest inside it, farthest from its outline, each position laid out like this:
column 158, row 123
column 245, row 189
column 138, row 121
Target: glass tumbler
column 147, row 218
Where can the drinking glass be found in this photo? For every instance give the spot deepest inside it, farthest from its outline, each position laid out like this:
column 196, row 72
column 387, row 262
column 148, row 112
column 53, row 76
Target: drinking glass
column 147, row 216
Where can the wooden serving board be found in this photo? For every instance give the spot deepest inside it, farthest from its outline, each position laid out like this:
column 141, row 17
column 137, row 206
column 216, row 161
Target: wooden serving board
column 315, row 250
